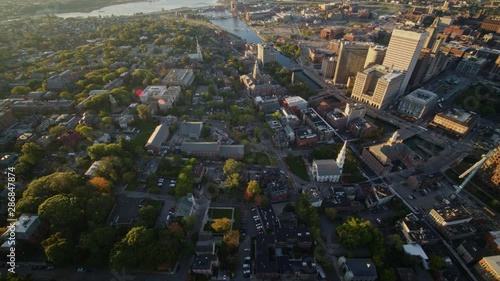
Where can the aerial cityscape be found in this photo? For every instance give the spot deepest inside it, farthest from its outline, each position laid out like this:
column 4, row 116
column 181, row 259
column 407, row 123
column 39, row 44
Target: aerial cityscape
column 242, row 140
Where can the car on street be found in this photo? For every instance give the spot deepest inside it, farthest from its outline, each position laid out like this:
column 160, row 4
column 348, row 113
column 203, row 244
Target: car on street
column 246, row 265
column 247, row 258
column 82, row 269
column 247, row 250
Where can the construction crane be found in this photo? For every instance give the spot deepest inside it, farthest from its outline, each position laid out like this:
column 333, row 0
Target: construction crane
column 473, row 170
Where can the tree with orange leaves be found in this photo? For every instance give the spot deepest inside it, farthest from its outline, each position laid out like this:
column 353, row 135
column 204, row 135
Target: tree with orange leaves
column 100, row 184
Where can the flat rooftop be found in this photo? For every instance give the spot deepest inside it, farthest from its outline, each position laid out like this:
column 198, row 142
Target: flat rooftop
column 318, row 121
column 453, row 213
column 421, row 95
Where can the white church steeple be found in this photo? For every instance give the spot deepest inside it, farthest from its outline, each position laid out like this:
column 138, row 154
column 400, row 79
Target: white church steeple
column 341, row 157
column 394, row 139
column 256, row 71
column 198, row 50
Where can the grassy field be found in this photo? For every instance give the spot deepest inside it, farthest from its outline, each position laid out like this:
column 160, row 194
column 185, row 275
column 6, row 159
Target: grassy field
column 257, row 158
column 218, row 213
column 155, row 203
column 297, row 166
column 146, row 129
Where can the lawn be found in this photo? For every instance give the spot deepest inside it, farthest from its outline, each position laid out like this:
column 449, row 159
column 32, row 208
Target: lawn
column 237, row 219
column 479, row 98
column 218, row 213
column 297, row 167
column 155, row 203
column 146, row 129
column 257, row 158
column 424, row 148
column 131, row 186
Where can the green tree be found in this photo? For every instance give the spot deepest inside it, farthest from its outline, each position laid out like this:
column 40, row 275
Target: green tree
column 331, row 213
column 61, row 211
column 59, row 249
column 100, row 150
column 388, row 274
column 354, row 232
column 232, row 166
column 142, row 249
column 436, row 263
column 147, row 216
column 47, row 186
column 20, row 90
column 86, row 131
column 31, row 153
column 108, row 77
column 185, row 183
column 395, row 241
column 221, row 225
column 98, row 103
column 57, row 131
column 143, row 112
column 98, row 243
column 188, row 222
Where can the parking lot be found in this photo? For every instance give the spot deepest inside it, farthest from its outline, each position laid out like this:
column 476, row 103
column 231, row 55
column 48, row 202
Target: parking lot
column 166, row 184
column 424, row 198
column 126, row 210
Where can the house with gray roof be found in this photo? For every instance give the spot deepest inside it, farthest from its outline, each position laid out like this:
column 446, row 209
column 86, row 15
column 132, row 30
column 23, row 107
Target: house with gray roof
column 185, row 206
column 190, row 130
column 204, row 264
column 357, row 269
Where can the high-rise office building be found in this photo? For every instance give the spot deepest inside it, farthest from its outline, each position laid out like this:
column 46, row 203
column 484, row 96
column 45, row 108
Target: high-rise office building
column 351, row 59
column 328, row 67
column 403, row 52
column 377, row 85
column 265, row 53
column 376, row 54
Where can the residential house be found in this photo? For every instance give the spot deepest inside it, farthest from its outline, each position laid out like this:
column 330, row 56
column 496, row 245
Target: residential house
column 357, row 269
column 28, row 229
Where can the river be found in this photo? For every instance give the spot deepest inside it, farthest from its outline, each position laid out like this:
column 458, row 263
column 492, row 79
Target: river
column 141, row 7
column 241, row 29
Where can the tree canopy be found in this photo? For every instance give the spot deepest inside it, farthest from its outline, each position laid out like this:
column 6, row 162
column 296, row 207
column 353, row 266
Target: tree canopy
column 221, row 225
column 61, row 211
column 42, row 188
column 142, row 249
column 354, row 232
column 232, row 166
column 232, row 238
